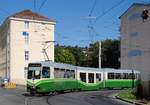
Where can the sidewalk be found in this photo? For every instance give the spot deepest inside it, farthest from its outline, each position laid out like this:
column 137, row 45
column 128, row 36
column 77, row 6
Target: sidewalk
column 135, row 102
column 132, row 100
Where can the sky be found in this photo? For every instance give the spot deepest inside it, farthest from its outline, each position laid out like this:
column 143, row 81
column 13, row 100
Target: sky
column 72, row 16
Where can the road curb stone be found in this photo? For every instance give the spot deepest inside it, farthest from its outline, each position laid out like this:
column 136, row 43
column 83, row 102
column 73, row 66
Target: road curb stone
column 129, row 101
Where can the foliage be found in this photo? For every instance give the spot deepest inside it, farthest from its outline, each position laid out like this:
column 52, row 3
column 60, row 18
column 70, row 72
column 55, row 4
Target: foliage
column 92, row 57
column 110, row 53
column 64, row 56
column 78, row 54
column 89, row 56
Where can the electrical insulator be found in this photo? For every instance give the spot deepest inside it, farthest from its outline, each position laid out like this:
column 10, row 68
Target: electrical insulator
column 144, row 14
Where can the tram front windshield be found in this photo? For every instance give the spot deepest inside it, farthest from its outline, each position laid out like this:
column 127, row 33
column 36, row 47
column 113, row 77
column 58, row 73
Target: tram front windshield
column 34, row 72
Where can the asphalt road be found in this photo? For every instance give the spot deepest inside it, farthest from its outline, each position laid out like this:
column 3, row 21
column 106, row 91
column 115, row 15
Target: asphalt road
column 18, row 97
column 103, row 97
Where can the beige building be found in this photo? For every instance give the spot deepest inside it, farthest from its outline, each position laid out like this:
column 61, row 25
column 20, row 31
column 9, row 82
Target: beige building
column 135, row 43
column 22, row 39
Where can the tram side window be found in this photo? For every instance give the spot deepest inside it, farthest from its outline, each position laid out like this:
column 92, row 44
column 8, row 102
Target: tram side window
column 46, row 72
column 69, row 74
column 83, row 77
column 59, row 73
column 131, row 76
column 98, row 77
column 91, row 77
column 125, row 75
column 117, row 75
column 111, row 75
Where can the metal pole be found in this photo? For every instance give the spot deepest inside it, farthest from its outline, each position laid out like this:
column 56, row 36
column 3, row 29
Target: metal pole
column 103, row 78
column 99, row 54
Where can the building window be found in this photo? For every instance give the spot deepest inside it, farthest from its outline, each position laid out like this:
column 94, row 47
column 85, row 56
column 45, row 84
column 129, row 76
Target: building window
column 26, row 24
column 26, row 37
column 26, row 55
column 134, row 16
column 24, row 33
column 135, row 52
column 134, row 34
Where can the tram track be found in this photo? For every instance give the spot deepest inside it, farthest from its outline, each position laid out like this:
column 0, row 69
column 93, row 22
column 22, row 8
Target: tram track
column 32, row 101
column 75, row 98
column 39, row 100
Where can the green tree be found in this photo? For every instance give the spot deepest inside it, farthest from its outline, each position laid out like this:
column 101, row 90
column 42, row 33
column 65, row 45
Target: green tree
column 89, row 56
column 64, row 55
column 92, row 55
column 110, row 54
column 78, row 54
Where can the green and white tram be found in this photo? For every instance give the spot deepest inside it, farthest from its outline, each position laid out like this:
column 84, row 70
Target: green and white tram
column 47, row 76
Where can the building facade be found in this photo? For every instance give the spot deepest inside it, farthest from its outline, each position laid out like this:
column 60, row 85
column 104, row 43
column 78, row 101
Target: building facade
column 135, row 43
column 23, row 36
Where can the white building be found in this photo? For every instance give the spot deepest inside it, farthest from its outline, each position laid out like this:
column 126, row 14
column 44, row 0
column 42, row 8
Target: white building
column 22, row 39
column 135, row 43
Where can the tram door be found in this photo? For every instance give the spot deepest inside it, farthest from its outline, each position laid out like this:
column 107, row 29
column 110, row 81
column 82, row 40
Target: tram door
column 91, row 77
column 98, row 77
column 83, row 77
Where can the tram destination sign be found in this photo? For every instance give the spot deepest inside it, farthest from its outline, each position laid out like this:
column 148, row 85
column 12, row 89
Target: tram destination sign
column 34, row 65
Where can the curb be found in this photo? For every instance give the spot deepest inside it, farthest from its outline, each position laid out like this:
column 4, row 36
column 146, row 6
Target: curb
column 129, row 101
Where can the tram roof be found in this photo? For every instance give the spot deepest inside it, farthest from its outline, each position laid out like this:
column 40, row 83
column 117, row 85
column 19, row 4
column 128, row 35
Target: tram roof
column 72, row 67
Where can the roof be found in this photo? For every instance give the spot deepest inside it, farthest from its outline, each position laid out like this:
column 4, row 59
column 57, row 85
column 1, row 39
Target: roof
column 28, row 14
column 134, row 4
column 86, row 69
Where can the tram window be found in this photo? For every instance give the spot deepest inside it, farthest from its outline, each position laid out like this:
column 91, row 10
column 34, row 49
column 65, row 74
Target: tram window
column 37, row 74
column 34, row 74
column 69, row 74
column 91, row 77
column 131, row 76
column 111, row 75
column 34, row 71
column 83, row 77
column 98, row 77
column 30, row 74
column 46, row 72
column 59, row 73
column 125, row 75
column 117, row 75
